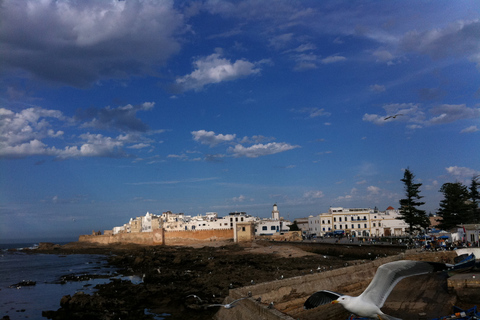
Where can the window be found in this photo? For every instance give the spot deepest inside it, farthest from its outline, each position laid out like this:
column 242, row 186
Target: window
column 334, row 219
column 264, row 228
column 241, row 219
column 340, row 220
column 374, row 224
column 353, row 226
column 340, row 226
column 243, row 228
column 365, row 225
column 323, row 221
column 335, row 226
column 359, row 226
column 272, row 228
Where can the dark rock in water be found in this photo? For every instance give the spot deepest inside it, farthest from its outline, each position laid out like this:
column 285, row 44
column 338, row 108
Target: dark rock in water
column 24, row 283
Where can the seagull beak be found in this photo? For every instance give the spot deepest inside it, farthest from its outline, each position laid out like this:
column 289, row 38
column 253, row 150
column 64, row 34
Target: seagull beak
column 334, row 301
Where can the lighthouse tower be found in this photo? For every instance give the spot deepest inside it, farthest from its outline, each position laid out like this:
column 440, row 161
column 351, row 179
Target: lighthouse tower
column 275, row 213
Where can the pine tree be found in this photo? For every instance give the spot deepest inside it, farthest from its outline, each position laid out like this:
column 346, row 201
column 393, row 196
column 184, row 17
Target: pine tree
column 416, row 218
column 475, row 199
column 455, row 208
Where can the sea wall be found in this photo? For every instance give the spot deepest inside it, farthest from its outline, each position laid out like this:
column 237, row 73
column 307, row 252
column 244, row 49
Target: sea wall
column 288, row 295
column 161, row 236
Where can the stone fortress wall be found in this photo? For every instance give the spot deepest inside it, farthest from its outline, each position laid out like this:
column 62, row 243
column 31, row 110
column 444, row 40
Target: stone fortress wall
column 161, row 237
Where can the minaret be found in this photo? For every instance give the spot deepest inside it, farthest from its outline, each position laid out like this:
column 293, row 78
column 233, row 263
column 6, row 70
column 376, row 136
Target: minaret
column 275, row 213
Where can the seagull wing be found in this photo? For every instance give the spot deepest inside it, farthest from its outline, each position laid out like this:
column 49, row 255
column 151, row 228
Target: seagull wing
column 389, row 274
column 217, row 305
column 320, row 298
column 235, row 301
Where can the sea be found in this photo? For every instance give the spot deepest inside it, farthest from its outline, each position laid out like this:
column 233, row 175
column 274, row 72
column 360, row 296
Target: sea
column 28, row 302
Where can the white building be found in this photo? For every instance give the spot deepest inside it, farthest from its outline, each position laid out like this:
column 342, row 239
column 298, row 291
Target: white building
column 210, row 221
column 357, row 222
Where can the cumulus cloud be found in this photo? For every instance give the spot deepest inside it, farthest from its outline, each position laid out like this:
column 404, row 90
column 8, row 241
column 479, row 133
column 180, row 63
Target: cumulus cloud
column 21, row 133
column 462, row 171
column 122, row 118
column 25, row 133
column 95, row 145
column 258, row 150
column 210, row 138
column 215, row 69
column 88, row 40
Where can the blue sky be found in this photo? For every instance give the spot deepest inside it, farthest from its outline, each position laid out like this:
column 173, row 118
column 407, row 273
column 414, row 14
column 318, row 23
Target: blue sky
column 110, row 109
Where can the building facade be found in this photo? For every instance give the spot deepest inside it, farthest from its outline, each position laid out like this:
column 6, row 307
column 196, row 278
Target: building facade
column 356, row 222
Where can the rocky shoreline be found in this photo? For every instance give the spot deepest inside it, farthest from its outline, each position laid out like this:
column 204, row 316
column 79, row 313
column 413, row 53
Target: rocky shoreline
column 170, row 274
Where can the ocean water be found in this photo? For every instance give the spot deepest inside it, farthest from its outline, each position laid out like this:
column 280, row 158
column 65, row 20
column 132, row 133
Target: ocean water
column 28, row 302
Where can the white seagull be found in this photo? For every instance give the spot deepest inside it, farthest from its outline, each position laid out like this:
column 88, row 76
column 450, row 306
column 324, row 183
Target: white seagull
column 228, row 305
column 368, row 304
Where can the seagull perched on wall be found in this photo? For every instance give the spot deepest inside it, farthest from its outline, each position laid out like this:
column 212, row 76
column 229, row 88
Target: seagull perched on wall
column 394, row 116
column 228, row 305
column 368, row 304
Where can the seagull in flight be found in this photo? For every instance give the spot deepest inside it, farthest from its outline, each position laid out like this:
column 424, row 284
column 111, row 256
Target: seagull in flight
column 228, row 305
column 394, row 116
column 196, row 297
column 368, row 304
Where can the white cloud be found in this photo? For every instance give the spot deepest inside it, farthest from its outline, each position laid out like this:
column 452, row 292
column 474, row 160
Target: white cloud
column 22, row 134
column 95, row 145
column 210, row 138
column 462, row 171
column 240, row 198
column 258, row 150
column 470, row 129
column 449, row 113
column 383, row 55
column 373, row 190
column 377, row 88
column 313, row 194
column 333, row 59
column 459, row 39
column 215, row 69
column 415, row 117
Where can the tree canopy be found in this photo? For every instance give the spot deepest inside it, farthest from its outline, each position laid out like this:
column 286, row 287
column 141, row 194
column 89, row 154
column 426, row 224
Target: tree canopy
column 409, row 212
column 456, row 207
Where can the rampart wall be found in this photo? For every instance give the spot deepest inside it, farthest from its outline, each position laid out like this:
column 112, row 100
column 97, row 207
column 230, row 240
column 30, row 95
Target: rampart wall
column 161, row 236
